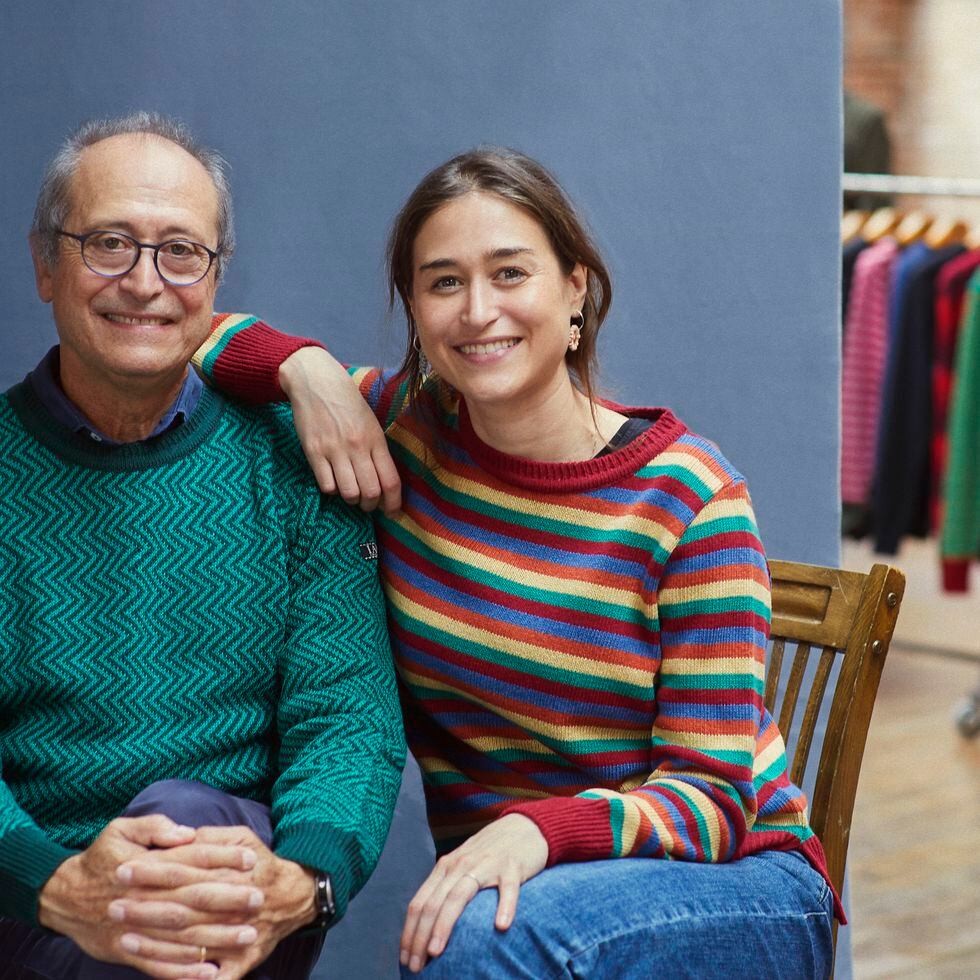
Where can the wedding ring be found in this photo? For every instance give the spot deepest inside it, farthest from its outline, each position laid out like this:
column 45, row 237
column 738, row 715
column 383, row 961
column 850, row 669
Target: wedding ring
column 204, row 954
column 479, row 884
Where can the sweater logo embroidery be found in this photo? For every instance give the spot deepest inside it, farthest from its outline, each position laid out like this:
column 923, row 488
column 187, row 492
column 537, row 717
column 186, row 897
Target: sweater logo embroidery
column 368, row 550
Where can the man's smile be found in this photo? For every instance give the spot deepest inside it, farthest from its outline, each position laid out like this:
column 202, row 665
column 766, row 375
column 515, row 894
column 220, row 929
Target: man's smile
column 130, row 320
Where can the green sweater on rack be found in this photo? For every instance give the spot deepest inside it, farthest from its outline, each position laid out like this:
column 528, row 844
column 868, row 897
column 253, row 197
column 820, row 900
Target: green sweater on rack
column 189, row 607
column 961, row 521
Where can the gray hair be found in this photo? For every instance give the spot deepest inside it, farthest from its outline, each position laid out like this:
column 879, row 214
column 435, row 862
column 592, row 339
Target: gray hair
column 53, row 199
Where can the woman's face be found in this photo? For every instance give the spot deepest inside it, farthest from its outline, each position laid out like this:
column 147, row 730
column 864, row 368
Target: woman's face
column 491, row 302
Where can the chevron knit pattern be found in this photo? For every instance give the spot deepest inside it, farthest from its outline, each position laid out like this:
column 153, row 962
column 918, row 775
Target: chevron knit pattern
column 191, row 608
column 583, row 643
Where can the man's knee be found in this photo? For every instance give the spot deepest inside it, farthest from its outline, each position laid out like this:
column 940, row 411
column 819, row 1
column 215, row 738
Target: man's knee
column 198, row 805
column 182, row 800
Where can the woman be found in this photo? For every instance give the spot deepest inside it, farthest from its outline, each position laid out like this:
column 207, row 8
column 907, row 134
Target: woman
column 579, row 605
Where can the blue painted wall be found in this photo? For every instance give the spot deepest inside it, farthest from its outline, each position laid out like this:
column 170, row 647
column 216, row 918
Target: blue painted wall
column 701, row 140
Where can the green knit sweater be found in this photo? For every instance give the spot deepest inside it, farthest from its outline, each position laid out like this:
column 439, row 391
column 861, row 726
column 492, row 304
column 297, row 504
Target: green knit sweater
column 189, row 607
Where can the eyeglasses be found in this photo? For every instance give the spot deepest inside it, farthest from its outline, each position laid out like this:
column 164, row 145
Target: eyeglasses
column 112, row 254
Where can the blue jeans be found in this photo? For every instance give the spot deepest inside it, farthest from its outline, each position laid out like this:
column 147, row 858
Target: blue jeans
column 767, row 915
column 37, row 954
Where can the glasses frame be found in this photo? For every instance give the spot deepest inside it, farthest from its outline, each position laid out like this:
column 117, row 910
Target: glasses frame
column 155, row 249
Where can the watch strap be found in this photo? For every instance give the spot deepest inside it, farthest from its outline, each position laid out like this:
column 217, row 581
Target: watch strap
column 326, row 906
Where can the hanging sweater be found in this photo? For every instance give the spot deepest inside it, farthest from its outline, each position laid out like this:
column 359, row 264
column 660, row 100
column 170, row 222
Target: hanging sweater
column 190, row 607
column 961, row 519
column 951, row 286
column 583, row 643
column 863, row 371
column 900, row 497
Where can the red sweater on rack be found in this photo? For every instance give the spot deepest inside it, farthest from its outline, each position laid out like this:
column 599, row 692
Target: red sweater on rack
column 863, row 372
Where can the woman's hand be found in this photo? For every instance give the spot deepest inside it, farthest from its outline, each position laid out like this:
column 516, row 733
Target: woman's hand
column 505, row 854
column 342, row 439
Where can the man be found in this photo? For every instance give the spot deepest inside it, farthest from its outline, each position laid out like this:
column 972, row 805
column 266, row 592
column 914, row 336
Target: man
column 192, row 636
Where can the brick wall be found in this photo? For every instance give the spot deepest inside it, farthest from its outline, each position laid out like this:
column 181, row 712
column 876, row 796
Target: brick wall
column 876, row 51
column 919, row 60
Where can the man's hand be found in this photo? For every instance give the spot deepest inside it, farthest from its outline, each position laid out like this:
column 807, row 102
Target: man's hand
column 79, row 899
column 503, row 856
column 342, row 439
column 153, row 926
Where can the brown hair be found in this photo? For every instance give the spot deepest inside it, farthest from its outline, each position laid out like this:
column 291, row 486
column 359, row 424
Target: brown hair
column 522, row 181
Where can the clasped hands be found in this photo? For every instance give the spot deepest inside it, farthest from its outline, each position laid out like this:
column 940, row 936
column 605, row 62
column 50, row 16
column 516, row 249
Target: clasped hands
column 153, row 895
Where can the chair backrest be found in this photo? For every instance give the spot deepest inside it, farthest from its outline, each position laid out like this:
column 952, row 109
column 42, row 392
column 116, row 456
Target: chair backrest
column 829, row 613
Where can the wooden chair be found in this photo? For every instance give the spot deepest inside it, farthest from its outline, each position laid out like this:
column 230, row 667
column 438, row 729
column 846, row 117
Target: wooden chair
column 829, row 613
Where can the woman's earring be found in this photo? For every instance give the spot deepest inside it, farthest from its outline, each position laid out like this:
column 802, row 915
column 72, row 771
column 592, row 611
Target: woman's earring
column 575, row 331
column 425, row 368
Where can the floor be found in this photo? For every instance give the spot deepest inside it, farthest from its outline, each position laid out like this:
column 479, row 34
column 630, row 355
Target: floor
column 929, row 617
column 915, row 841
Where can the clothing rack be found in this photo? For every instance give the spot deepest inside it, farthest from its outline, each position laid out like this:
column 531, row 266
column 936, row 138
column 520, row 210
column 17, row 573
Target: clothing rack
column 926, row 186
column 968, row 711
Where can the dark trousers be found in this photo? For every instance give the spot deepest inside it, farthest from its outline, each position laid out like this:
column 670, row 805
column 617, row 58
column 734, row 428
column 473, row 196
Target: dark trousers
column 37, row 954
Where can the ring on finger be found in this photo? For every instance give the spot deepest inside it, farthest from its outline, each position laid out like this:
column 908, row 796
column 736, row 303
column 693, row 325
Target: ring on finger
column 204, row 954
column 466, row 874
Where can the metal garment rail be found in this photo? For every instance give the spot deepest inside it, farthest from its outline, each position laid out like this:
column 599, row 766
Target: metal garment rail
column 926, row 186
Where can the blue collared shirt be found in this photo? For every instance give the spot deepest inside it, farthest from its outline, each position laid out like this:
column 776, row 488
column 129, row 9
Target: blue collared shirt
column 44, row 379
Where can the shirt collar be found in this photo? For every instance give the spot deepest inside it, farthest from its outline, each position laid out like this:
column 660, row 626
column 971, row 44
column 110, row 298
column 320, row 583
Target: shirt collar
column 45, row 380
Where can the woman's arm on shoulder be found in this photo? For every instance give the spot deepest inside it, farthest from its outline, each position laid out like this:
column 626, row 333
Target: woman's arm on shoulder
column 343, row 441
column 242, row 357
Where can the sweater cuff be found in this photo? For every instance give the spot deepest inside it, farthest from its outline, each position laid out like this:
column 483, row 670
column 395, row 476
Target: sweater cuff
column 329, row 850
column 244, row 355
column 576, row 829
column 956, row 574
column 28, row 858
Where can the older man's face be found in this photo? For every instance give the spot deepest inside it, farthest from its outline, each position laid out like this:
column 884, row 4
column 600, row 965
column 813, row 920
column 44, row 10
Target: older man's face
column 137, row 328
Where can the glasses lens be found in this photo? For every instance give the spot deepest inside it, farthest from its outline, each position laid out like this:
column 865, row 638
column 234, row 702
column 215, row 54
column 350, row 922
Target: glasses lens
column 109, row 253
column 182, row 262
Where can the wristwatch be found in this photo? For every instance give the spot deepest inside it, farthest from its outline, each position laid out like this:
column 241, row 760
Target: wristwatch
column 326, row 907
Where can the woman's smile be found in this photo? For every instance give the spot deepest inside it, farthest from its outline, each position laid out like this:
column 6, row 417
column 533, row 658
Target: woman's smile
column 488, row 350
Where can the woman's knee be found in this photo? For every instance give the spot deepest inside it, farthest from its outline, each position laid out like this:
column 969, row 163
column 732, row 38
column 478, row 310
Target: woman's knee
column 547, row 933
column 629, row 918
column 478, row 950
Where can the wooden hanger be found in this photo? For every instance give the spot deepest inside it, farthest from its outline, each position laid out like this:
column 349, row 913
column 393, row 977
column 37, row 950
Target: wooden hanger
column 945, row 231
column 882, row 222
column 912, row 227
column 851, row 223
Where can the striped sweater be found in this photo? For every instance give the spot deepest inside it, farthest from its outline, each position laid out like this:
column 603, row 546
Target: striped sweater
column 583, row 643
column 863, row 369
